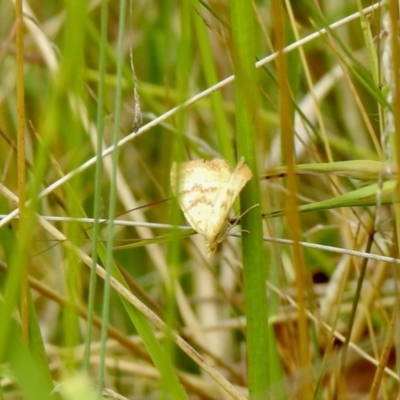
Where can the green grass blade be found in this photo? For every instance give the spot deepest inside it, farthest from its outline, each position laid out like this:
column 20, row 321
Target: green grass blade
column 260, row 361
column 363, row 197
column 37, row 366
column 162, row 361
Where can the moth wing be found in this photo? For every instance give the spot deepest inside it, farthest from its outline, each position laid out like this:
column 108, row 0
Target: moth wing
column 206, row 191
column 229, row 188
column 197, row 190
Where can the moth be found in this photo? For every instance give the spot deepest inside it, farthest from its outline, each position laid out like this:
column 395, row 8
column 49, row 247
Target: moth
column 206, row 191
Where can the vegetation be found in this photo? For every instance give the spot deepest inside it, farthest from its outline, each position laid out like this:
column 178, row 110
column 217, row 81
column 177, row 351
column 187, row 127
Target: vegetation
column 105, row 292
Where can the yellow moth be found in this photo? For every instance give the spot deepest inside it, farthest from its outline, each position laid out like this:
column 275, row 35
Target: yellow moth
column 206, row 191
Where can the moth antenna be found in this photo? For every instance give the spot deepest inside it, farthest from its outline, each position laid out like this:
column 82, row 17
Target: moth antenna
column 238, row 219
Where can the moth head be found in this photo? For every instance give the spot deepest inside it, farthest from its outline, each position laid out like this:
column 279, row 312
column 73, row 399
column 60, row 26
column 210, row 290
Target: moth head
column 211, row 248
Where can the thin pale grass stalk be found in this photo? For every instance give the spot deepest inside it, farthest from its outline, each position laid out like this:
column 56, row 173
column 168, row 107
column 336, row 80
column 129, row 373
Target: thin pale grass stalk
column 137, row 112
column 315, row 246
column 174, row 295
column 373, row 59
column 287, row 134
column 113, row 196
column 20, row 111
column 348, row 69
column 356, row 301
column 377, row 278
column 97, row 181
column 186, row 104
column 335, row 290
column 383, row 360
column 217, row 105
column 307, row 73
column 391, row 137
column 20, row 86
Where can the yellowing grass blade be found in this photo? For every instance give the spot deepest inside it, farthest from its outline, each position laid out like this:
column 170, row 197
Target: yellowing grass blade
column 356, row 169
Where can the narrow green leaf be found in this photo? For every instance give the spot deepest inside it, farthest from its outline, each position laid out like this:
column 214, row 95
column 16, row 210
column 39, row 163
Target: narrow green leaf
column 247, row 104
column 363, row 197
